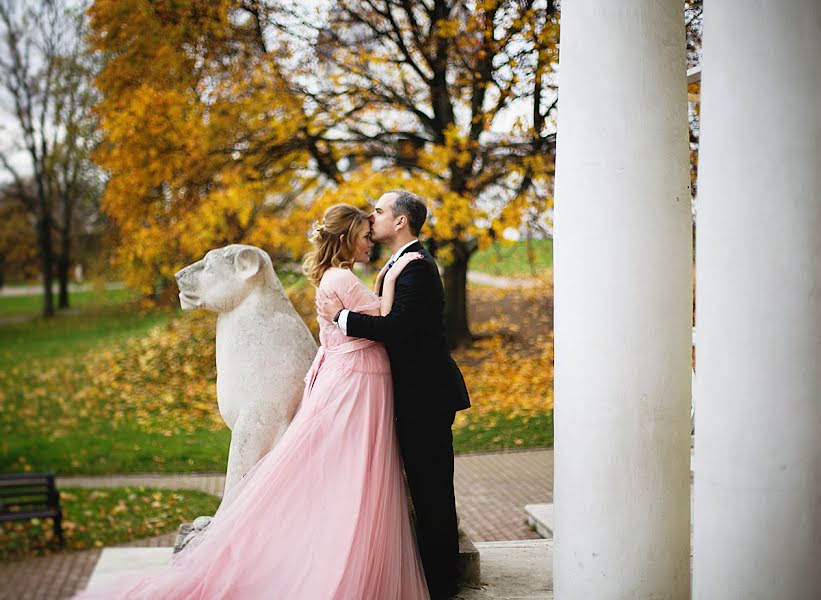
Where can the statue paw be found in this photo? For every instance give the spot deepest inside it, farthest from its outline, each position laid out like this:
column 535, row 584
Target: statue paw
column 190, row 531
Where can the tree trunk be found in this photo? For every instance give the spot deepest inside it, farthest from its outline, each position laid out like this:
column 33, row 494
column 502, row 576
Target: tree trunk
column 455, row 282
column 46, row 259
column 64, row 260
column 62, row 282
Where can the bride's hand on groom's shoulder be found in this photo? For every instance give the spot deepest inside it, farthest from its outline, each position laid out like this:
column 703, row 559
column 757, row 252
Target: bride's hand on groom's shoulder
column 401, row 263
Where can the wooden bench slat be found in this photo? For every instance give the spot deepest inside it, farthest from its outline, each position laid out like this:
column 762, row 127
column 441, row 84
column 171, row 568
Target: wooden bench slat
column 32, row 514
column 23, row 506
column 27, row 494
column 22, row 480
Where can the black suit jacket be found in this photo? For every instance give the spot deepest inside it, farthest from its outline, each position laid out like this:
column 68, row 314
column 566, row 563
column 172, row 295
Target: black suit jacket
column 427, row 381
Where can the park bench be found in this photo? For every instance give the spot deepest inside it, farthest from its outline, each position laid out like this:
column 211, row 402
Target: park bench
column 31, row 496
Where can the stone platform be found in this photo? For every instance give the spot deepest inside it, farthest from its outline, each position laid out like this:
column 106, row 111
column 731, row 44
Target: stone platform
column 512, row 570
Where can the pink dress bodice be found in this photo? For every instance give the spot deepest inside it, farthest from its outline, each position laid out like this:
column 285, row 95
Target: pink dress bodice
column 353, row 294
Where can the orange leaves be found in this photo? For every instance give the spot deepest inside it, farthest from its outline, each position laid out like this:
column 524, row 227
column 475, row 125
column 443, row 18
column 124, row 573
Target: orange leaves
column 194, row 117
column 502, row 380
column 218, row 132
column 509, row 368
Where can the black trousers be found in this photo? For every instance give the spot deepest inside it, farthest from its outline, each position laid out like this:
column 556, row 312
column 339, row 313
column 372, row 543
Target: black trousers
column 427, row 454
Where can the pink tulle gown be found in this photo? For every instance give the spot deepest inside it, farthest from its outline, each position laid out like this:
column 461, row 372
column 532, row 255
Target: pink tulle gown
column 324, row 514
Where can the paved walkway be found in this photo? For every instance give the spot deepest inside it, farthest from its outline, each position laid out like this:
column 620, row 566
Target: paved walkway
column 491, row 490
column 500, row 282
column 36, row 290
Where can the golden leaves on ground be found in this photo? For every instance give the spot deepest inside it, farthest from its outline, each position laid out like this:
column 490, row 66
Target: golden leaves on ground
column 163, row 382
column 500, row 380
column 509, row 368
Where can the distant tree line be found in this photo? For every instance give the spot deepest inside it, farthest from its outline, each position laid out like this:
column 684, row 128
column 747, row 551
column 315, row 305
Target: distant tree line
column 50, row 199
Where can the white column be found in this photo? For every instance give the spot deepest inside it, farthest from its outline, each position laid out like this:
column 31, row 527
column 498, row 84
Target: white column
column 623, row 285
column 757, row 498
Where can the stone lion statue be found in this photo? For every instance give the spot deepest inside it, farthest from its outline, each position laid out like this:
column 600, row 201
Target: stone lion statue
column 264, row 349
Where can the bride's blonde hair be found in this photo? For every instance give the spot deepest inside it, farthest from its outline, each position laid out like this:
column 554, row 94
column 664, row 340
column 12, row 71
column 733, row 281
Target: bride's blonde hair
column 334, row 241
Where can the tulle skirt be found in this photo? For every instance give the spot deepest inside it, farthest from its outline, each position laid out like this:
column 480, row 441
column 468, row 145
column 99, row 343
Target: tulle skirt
column 323, row 515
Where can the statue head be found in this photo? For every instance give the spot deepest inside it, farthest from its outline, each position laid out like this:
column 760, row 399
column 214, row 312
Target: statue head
column 223, row 278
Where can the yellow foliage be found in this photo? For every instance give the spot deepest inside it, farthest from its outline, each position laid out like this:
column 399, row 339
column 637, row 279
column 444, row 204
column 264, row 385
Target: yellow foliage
column 213, row 135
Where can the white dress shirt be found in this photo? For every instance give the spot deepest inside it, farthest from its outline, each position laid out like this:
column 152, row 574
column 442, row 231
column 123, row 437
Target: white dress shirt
column 342, row 321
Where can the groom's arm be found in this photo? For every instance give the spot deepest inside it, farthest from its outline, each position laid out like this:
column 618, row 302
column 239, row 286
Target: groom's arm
column 408, row 312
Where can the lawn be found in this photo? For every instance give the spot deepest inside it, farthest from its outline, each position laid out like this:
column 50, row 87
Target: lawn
column 512, row 259
column 33, row 305
column 107, row 389
column 500, row 431
column 93, row 518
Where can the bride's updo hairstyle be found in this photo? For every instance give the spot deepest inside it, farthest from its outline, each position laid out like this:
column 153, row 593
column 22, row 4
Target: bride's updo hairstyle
column 334, row 240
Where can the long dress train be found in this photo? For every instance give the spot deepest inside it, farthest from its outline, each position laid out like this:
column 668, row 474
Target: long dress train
column 324, row 514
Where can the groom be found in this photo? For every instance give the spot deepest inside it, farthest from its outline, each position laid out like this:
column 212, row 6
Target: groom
column 428, row 386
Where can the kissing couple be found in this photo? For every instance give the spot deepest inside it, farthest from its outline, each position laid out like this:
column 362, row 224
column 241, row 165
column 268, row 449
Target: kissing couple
column 324, row 515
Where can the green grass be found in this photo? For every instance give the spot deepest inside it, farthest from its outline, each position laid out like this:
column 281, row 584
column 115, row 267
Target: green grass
column 33, row 305
column 499, row 432
column 95, row 449
column 510, row 259
column 74, row 333
column 93, row 518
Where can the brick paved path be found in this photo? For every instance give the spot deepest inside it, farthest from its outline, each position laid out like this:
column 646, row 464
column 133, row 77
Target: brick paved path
column 491, row 489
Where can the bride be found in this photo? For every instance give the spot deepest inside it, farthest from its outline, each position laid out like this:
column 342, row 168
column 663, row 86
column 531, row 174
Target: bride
column 324, row 514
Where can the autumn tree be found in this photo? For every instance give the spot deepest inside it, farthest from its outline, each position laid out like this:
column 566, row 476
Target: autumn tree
column 241, row 120
column 203, row 141
column 451, row 98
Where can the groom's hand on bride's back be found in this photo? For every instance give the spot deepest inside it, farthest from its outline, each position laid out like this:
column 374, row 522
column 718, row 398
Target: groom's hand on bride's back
column 328, row 304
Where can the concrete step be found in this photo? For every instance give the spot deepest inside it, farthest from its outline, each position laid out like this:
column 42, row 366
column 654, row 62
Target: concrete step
column 540, row 516
column 540, row 519
column 470, row 570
